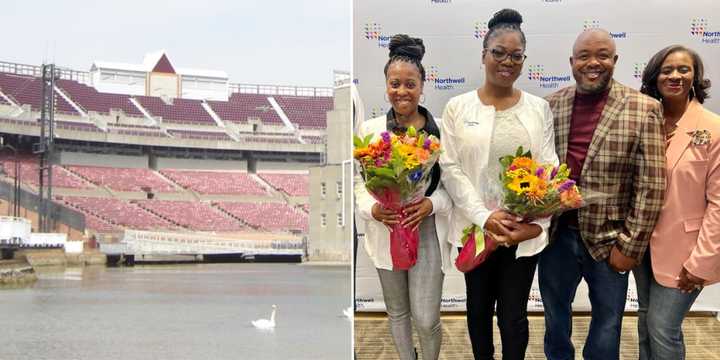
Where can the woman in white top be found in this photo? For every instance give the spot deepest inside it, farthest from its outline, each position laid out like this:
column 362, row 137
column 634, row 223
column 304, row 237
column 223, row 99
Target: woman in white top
column 478, row 128
column 413, row 293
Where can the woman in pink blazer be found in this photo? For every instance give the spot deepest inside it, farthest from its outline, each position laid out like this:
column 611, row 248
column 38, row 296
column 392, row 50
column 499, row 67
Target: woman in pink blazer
column 684, row 253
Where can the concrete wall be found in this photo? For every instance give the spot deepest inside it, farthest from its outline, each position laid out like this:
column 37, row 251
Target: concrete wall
column 126, row 161
column 272, row 165
column 339, row 127
column 330, row 242
column 198, row 164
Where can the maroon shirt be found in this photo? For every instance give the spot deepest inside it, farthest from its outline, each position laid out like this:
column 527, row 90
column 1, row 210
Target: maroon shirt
column 586, row 112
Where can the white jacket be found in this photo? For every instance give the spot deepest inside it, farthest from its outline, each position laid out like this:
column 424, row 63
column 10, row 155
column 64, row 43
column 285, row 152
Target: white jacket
column 377, row 236
column 465, row 137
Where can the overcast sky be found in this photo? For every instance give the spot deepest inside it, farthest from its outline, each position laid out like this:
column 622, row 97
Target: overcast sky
column 283, row 42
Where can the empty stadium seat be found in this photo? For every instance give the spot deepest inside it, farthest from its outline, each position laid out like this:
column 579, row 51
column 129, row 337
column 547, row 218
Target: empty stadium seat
column 291, row 184
column 268, row 216
column 123, row 179
column 215, row 182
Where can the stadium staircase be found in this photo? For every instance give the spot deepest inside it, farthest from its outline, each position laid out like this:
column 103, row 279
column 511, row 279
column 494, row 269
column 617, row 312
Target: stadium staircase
column 83, row 113
column 215, row 206
column 154, row 213
column 269, row 188
column 178, row 187
column 147, row 115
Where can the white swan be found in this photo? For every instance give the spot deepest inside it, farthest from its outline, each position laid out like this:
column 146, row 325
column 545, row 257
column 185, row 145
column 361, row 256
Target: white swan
column 265, row 323
column 348, row 312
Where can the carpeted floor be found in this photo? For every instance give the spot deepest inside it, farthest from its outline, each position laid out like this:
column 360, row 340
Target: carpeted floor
column 373, row 342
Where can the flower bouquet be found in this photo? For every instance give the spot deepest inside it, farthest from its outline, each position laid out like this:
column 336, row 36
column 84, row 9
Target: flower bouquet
column 396, row 170
column 529, row 190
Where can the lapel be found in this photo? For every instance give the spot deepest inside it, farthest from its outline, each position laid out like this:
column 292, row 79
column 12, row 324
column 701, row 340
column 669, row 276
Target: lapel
column 562, row 122
column 680, row 141
column 613, row 106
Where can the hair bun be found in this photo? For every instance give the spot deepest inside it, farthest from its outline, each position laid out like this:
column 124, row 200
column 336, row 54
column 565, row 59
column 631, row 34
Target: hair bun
column 403, row 45
column 505, row 16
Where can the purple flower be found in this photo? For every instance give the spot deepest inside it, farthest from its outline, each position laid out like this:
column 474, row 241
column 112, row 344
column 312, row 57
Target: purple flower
column 540, row 171
column 567, row 185
column 427, row 143
column 415, row 176
column 378, row 162
column 385, row 136
column 554, row 172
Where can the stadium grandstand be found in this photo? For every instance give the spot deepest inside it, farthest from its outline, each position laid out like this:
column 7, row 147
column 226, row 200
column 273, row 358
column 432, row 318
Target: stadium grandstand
column 158, row 148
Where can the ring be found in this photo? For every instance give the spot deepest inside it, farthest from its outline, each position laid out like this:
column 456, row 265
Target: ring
column 698, row 287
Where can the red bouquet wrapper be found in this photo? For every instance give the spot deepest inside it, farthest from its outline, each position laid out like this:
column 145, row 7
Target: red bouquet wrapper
column 403, row 240
column 469, row 259
column 403, row 246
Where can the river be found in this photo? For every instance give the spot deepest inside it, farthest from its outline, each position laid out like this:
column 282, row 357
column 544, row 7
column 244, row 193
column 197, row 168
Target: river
column 200, row 311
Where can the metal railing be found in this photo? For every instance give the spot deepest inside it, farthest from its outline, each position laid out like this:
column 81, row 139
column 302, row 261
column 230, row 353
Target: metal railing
column 84, row 78
column 280, row 90
column 36, row 71
column 151, row 242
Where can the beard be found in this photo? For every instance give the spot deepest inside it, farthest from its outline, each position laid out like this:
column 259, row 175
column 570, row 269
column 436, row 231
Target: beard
column 596, row 87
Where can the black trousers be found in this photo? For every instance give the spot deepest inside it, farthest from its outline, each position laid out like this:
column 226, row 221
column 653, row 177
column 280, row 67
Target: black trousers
column 505, row 281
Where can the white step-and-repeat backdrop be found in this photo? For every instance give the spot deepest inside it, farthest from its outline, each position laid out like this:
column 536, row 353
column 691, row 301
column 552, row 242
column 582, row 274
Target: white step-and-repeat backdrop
column 453, row 31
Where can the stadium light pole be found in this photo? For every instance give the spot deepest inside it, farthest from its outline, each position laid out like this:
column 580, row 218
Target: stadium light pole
column 45, row 146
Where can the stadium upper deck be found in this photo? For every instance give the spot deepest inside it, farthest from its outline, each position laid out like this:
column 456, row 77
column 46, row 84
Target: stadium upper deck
column 253, row 117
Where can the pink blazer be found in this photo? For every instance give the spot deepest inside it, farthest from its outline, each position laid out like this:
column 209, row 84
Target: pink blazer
column 688, row 231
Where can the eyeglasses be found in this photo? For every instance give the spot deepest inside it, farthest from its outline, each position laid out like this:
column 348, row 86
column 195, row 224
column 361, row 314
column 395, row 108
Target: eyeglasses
column 500, row 56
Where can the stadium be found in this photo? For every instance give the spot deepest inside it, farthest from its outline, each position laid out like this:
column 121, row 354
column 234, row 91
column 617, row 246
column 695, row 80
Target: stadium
column 175, row 160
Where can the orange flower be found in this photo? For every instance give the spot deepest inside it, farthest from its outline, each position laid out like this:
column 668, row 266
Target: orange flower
column 422, row 154
column 571, row 198
column 538, row 192
column 524, row 163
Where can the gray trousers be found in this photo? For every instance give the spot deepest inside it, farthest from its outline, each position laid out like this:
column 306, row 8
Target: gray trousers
column 416, row 294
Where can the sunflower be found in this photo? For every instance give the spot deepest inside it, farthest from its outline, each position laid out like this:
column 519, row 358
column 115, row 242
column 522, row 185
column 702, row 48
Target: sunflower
column 538, row 192
column 523, row 184
column 517, row 173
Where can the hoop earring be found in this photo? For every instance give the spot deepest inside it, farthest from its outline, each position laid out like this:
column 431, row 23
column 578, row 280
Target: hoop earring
column 422, row 98
column 692, row 92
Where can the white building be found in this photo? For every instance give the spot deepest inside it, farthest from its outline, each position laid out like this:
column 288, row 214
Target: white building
column 157, row 76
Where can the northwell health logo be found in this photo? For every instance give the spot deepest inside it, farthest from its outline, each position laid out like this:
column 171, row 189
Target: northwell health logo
column 699, row 29
column 376, row 111
column 432, row 75
column 373, row 31
column 595, row 24
column 537, row 73
column 481, row 29
column 638, row 69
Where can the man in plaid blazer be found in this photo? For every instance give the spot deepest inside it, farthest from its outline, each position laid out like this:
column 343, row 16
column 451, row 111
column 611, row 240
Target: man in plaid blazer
column 612, row 139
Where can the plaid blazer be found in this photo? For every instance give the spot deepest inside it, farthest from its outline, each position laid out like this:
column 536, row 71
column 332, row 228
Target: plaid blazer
column 625, row 164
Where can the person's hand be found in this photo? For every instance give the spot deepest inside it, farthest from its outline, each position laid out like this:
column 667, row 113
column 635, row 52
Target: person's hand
column 619, row 262
column 416, row 212
column 509, row 232
column 495, row 216
column 386, row 216
column 689, row 282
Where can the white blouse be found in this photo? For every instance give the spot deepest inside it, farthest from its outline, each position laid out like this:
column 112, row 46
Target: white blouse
column 467, row 136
